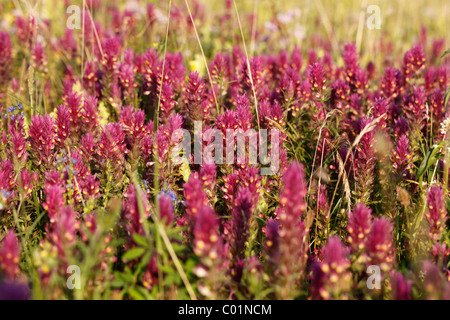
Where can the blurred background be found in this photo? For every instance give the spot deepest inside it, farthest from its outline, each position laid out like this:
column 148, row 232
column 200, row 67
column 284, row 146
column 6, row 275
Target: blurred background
column 268, row 26
column 291, row 22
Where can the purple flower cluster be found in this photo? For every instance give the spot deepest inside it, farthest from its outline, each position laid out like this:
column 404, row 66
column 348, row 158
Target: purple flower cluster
column 88, row 175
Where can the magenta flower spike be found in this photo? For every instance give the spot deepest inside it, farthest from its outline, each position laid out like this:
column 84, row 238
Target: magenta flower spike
column 9, row 256
column 231, row 184
column 434, row 285
column 380, row 249
column 5, row 58
column 340, row 92
column 73, row 103
column 6, row 178
column 208, row 174
column 256, row 70
column 350, row 58
column 26, row 30
column 436, row 215
column 271, row 246
column 391, row 84
column 437, row 105
column 194, row 95
column 26, row 182
column 415, row 108
column 381, row 106
column 402, row 158
column 166, row 208
column 90, row 114
column 10, row 290
column 292, row 240
column 195, row 197
column 208, row 243
column 111, row 146
column 39, row 57
column 42, row 134
column 111, row 51
column 131, row 213
column 442, row 77
column 401, row 286
column 359, row 224
column 54, row 201
column 317, row 78
column 168, row 102
column 63, row 123
column 243, row 114
column 331, row 278
column 238, row 225
column 322, row 211
column 133, row 121
column 127, row 78
column 365, row 161
column 413, row 61
column 18, row 142
column 150, row 71
column 292, row 198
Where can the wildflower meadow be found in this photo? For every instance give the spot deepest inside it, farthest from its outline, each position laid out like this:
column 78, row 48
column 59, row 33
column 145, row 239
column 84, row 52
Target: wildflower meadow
column 224, row 150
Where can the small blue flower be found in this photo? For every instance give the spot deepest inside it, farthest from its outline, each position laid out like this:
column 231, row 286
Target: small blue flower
column 171, row 194
column 5, row 193
column 19, row 106
column 11, row 109
column 61, row 160
column 147, row 189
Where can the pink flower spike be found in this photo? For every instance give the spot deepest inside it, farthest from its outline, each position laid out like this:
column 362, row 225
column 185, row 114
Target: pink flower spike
column 9, row 256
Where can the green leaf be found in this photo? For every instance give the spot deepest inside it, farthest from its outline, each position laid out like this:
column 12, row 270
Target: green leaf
column 447, row 204
column 431, row 157
column 133, row 254
column 445, row 53
column 140, row 240
column 262, row 206
column 447, row 95
column 117, row 283
column 123, row 277
column 136, row 294
column 172, row 278
column 144, row 260
column 178, row 247
column 143, row 292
